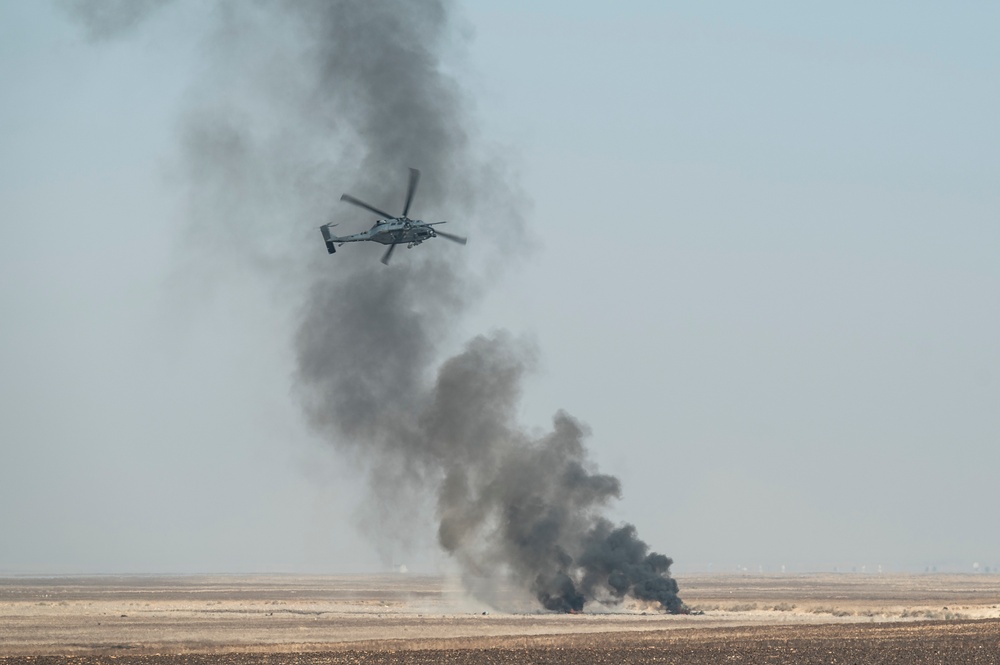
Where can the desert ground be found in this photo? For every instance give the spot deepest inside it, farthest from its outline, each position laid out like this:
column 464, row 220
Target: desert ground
column 405, row 618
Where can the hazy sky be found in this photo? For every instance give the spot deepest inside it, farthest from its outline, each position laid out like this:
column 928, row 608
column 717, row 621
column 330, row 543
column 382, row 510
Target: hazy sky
column 764, row 270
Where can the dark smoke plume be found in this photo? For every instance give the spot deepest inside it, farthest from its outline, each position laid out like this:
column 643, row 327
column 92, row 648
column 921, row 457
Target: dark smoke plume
column 304, row 100
column 528, row 509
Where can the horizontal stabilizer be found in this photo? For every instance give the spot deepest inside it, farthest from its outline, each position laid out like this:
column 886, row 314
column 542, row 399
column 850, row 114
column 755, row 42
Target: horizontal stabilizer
column 328, row 237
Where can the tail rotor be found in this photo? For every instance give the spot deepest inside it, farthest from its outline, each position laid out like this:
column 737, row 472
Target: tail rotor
column 331, row 248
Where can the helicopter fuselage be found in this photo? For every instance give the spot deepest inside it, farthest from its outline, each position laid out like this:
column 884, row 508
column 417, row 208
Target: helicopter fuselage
column 397, row 231
column 390, row 230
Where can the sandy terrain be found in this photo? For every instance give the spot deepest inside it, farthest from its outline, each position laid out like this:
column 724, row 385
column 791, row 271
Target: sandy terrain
column 418, row 619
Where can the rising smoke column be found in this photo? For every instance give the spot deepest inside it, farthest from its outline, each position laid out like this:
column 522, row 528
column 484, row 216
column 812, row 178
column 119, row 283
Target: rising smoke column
column 300, row 94
column 529, row 509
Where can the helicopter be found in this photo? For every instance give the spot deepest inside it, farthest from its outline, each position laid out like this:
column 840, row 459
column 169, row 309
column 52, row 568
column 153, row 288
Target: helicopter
column 390, row 229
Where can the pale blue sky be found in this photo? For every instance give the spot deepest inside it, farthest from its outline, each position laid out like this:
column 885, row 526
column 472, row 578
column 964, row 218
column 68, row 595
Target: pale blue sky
column 765, row 275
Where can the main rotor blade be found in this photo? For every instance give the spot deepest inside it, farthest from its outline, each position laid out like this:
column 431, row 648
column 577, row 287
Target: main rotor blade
column 459, row 239
column 414, row 179
column 362, row 204
column 388, row 254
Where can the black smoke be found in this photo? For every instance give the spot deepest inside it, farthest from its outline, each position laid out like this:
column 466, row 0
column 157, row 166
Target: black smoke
column 525, row 509
column 302, row 100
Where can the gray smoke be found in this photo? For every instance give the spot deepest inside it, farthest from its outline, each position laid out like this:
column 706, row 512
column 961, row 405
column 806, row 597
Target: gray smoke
column 308, row 99
column 513, row 507
column 105, row 19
